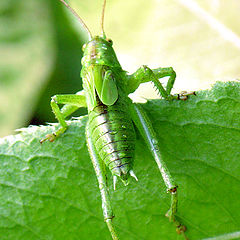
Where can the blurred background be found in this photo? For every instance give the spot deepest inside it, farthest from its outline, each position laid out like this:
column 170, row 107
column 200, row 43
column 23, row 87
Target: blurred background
column 40, row 48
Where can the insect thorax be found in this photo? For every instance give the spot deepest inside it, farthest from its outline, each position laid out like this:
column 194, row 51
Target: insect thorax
column 99, row 51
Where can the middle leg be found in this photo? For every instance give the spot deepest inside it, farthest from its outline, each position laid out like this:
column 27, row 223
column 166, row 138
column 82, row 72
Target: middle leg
column 71, row 102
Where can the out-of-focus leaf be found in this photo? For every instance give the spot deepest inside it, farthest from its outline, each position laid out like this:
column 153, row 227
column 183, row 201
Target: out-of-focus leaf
column 26, row 57
column 65, row 75
column 40, row 55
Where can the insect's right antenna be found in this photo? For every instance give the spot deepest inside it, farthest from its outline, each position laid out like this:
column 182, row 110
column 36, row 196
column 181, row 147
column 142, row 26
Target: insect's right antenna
column 102, row 19
column 79, row 18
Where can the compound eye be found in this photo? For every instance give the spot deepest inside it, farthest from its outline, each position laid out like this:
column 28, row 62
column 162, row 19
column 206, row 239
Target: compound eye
column 110, row 41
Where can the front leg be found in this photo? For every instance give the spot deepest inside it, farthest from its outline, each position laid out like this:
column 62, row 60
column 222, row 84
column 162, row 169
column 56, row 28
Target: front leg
column 145, row 127
column 146, row 74
column 71, row 102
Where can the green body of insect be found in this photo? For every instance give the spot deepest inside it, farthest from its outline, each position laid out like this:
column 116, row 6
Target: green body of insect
column 112, row 115
column 110, row 123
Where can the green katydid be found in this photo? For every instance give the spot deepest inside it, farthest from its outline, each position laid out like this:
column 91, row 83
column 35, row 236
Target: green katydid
column 110, row 130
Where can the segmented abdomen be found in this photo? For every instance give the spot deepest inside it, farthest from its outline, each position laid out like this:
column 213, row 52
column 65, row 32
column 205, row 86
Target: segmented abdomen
column 113, row 136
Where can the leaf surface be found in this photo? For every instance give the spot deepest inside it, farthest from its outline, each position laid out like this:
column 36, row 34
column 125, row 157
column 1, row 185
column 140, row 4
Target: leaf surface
column 50, row 191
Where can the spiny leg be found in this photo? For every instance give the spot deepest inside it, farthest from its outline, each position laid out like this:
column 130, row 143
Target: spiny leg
column 102, row 181
column 72, row 103
column 145, row 74
column 145, row 127
column 165, row 72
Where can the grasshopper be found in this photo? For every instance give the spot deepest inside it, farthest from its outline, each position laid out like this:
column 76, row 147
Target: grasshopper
column 112, row 117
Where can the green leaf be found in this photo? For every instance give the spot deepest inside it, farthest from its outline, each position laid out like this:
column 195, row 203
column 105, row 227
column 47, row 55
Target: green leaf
column 50, row 191
column 39, row 50
column 26, row 59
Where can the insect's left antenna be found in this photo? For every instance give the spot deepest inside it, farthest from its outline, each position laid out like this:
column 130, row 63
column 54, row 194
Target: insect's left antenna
column 79, row 18
column 102, row 19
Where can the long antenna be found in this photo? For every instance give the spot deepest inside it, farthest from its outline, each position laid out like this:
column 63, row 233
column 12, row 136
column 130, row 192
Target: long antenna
column 79, row 18
column 102, row 19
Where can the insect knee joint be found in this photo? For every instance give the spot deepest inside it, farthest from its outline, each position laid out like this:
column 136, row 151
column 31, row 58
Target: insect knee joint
column 53, row 99
column 146, row 70
column 173, row 72
column 109, row 218
column 173, row 190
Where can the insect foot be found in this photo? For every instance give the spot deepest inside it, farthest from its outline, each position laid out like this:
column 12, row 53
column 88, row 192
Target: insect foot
column 180, row 229
column 50, row 137
column 184, row 95
column 171, row 213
